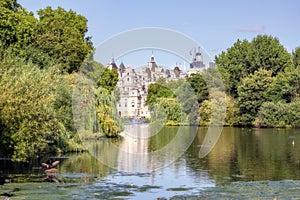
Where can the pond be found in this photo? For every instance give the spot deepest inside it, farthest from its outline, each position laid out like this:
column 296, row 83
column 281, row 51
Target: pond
column 167, row 163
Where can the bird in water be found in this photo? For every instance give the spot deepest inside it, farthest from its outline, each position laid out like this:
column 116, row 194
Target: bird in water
column 50, row 171
column 50, row 164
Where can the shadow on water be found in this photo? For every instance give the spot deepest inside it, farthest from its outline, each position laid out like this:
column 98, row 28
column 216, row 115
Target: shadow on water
column 244, row 163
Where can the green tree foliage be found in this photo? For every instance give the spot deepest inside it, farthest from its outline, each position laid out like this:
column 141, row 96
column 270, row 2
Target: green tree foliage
column 176, row 91
column 296, row 56
column 92, row 70
column 30, row 111
column 251, row 95
column 267, row 53
column 107, row 96
column 279, row 114
column 61, row 35
column 156, row 91
column 107, row 115
column 36, row 114
column 218, row 110
column 16, row 28
column 198, row 83
column 170, row 110
column 94, row 103
column 244, row 58
column 109, row 79
column 233, row 65
column 286, row 85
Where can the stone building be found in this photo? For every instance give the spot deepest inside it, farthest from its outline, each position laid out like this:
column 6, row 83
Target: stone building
column 197, row 64
column 133, row 86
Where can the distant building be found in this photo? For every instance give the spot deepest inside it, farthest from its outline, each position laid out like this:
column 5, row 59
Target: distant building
column 133, row 86
column 197, row 64
column 197, row 60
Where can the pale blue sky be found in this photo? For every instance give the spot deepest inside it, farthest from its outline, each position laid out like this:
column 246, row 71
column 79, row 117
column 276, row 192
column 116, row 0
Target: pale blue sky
column 214, row 24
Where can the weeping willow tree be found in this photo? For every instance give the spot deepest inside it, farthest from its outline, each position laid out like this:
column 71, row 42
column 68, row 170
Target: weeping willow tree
column 109, row 122
column 94, row 101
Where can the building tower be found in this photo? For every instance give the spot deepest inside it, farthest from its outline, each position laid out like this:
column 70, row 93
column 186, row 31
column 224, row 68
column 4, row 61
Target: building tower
column 152, row 64
column 197, row 60
column 112, row 65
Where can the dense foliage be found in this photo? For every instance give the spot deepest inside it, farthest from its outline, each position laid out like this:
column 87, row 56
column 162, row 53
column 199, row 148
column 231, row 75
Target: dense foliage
column 34, row 111
column 264, row 81
column 173, row 102
column 261, row 87
column 38, row 61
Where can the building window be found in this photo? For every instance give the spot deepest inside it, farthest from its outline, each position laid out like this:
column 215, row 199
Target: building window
column 127, row 79
column 132, row 105
column 125, row 105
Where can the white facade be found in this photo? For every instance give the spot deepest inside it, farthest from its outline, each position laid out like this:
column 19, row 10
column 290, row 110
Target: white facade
column 133, row 87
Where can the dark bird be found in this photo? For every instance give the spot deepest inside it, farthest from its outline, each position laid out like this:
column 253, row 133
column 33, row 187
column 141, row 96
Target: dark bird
column 50, row 171
column 50, row 164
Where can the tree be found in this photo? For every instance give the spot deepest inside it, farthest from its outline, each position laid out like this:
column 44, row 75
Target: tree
column 10, row 4
column 267, row 53
column 61, row 35
column 285, row 86
column 218, row 110
column 109, row 79
column 251, row 95
column 29, row 111
column 169, row 111
column 198, row 83
column 107, row 116
column 279, row 114
column 296, row 56
column 233, row 65
column 156, row 91
column 16, row 28
column 244, row 58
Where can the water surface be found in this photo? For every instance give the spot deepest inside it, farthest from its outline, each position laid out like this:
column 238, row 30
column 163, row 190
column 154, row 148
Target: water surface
column 244, row 163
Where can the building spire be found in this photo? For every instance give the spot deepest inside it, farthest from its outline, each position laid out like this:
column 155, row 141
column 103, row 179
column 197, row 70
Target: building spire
column 152, row 57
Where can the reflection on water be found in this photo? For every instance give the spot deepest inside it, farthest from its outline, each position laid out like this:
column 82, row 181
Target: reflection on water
column 143, row 148
column 130, row 167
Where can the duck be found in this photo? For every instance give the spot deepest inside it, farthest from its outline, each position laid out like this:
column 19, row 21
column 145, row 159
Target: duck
column 51, row 171
column 50, row 165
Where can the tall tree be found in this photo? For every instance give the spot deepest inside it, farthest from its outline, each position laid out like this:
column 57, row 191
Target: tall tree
column 233, row 65
column 267, row 53
column 61, row 35
column 16, row 28
column 244, row 58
